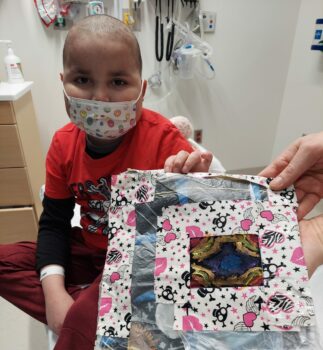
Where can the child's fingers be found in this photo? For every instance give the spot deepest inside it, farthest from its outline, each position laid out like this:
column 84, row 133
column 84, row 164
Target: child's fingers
column 174, row 164
column 185, row 162
column 192, row 160
column 207, row 155
column 207, row 159
column 179, row 161
column 169, row 164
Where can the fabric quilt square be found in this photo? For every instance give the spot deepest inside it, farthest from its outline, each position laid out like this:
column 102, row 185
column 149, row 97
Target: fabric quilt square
column 191, row 255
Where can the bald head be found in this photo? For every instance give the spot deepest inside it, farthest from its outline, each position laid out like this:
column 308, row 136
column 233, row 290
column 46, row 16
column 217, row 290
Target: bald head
column 100, row 25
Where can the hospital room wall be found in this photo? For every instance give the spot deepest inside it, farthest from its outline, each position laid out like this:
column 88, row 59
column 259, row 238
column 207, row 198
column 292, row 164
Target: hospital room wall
column 302, row 107
column 239, row 110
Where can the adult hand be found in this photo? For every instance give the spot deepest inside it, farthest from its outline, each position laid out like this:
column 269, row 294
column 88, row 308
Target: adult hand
column 57, row 300
column 184, row 162
column 302, row 164
column 312, row 242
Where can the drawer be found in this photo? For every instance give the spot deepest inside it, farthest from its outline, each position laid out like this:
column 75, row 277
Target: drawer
column 14, row 188
column 7, row 114
column 18, row 225
column 10, row 149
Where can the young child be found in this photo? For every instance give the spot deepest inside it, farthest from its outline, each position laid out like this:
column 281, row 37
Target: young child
column 109, row 133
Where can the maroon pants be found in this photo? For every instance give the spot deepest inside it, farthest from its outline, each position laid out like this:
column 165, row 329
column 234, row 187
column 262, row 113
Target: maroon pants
column 19, row 284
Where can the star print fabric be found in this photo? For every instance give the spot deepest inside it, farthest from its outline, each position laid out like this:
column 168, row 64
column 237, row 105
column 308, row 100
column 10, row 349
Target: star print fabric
column 194, row 255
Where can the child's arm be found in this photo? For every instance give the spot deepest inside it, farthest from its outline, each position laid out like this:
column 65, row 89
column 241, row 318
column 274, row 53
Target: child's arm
column 53, row 249
column 185, row 162
column 57, row 301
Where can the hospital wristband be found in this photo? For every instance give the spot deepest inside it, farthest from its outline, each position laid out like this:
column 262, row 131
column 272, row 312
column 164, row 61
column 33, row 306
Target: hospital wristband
column 51, row 270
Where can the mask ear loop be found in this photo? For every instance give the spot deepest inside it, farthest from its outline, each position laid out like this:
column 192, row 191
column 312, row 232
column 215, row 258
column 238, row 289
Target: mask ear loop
column 65, row 94
column 68, row 102
column 140, row 93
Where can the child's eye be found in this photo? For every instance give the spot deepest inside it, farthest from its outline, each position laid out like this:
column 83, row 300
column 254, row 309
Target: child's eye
column 119, row 82
column 82, row 80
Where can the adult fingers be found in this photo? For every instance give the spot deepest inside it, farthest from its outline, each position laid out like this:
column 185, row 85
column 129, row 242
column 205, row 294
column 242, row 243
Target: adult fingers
column 273, row 169
column 281, row 162
column 300, row 194
column 311, row 183
column 307, row 204
column 298, row 165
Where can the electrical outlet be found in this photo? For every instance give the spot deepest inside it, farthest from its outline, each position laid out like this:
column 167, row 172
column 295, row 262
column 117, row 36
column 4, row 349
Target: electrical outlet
column 208, row 21
column 198, row 135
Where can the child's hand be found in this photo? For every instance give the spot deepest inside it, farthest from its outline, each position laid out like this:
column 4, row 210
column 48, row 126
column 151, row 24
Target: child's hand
column 184, row 162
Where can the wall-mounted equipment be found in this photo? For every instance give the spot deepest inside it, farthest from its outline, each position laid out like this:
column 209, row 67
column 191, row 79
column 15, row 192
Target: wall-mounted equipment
column 95, row 8
column 207, row 19
column 318, row 36
column 190, row 54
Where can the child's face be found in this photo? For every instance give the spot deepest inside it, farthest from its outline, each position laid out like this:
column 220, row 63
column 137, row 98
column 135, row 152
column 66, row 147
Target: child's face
column 97, row 67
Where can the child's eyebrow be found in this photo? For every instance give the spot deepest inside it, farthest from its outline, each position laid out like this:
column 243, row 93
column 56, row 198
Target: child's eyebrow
column 80, row 70
column 120, row 72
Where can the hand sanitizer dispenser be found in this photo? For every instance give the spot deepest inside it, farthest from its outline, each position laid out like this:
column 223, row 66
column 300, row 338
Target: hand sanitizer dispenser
column 13, row 65
column 318, row 36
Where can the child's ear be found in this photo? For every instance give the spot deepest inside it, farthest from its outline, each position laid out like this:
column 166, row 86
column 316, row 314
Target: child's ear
column 144, row 87
column 61, row 76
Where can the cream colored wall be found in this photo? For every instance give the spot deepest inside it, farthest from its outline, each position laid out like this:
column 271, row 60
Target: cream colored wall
column 302, row 107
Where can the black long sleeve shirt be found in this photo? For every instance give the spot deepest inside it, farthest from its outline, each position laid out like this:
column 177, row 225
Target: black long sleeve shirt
column 53, row 242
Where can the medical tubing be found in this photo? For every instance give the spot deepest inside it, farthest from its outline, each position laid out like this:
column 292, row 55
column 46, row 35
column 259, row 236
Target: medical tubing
column 171, row 34
column 159, row 27
column 170, row 42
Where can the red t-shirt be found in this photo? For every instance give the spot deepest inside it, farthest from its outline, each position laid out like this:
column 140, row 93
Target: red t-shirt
column 70, row 171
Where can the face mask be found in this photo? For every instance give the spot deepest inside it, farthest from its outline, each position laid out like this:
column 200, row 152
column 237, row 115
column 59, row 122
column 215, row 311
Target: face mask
column 103, row 120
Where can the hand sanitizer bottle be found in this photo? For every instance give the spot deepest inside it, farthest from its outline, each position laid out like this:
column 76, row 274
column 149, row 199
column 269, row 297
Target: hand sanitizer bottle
column 13, row 65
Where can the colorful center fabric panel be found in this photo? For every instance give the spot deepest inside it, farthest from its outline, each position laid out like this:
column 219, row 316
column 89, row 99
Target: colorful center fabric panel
column 198, row 254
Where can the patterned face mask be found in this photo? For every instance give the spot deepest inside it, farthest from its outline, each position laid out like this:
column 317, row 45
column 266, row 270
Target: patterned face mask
column 103, row 120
